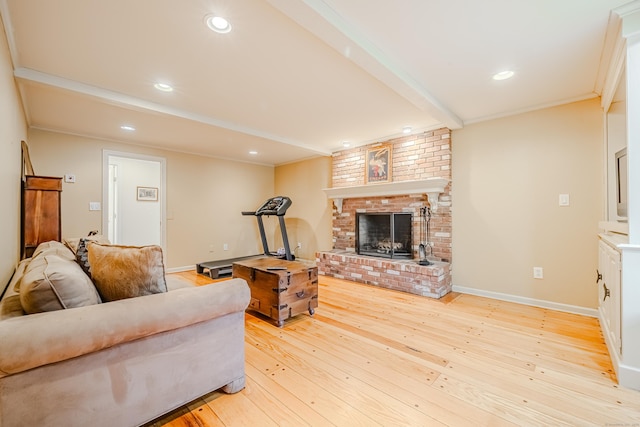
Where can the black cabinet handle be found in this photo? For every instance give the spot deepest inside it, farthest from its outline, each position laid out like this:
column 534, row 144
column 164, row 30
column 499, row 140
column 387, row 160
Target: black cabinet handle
column 607, row 291
column 599, row 276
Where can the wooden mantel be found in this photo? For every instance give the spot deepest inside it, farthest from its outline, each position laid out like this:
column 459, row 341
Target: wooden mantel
column 432, row 187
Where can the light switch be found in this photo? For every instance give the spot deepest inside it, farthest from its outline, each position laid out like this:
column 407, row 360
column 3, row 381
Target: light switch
column 564, row 200
column 94, row 206
column 538, row 273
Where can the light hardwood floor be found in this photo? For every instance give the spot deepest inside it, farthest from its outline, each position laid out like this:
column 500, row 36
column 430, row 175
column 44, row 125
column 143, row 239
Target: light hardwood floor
column 371, row 356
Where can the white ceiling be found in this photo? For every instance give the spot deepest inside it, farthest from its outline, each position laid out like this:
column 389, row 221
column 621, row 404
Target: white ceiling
column 294, row 79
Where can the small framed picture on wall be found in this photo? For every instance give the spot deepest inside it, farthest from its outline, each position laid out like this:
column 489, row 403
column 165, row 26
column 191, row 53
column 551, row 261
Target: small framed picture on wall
column 147, row 194
column 378, row 164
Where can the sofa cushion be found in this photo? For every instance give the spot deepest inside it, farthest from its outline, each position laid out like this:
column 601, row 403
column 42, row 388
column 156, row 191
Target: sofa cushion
column 120, row 272
column 53, row 248
column 51, row 282
column 10, row 305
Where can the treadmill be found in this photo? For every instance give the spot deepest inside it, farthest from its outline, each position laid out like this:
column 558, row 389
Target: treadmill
column 275, row 206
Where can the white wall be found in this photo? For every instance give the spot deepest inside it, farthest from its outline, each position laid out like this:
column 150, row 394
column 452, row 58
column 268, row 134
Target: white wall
column 506, row 179
column 12, row 131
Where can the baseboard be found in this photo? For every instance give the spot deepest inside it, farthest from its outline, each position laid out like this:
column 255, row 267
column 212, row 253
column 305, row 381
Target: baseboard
column 179, row 269
column 567, row 308
column 629, row 376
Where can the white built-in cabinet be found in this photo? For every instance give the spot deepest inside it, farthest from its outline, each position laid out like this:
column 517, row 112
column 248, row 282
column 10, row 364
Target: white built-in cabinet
column 609, row 292
column 619, row 288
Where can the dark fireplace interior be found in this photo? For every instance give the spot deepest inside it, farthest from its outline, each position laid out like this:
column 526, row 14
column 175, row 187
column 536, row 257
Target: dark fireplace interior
column 386, row 235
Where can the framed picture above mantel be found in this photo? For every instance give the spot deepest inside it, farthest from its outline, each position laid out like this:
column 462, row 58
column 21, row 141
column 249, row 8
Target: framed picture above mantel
column 378, row 164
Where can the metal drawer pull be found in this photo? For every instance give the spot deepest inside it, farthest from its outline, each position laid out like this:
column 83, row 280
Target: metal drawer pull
column 607, row 291
column 599, row 277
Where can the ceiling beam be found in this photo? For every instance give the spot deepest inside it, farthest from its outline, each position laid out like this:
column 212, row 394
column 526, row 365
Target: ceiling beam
column 322, row 21
column 139, row 104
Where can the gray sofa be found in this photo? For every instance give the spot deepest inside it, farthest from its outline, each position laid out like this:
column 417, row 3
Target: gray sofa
column 120, row 363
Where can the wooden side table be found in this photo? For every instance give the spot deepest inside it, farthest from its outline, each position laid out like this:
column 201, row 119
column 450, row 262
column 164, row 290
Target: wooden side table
column 280, row 289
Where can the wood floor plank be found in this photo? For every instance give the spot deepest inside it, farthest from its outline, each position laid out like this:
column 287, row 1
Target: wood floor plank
column 305, row 358
column 285, row 407
column 204, row 415
column 311, row 392
column 473, row 335
column 238, row 410
column 403, row 378
column 373, row 356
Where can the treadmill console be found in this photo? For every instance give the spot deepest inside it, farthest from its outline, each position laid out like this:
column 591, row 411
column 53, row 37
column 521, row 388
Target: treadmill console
column 274, row 206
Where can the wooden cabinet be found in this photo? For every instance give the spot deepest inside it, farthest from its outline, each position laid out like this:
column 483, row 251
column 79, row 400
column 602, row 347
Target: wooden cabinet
column 609, row 294
column 41, row 217
column 280, row 289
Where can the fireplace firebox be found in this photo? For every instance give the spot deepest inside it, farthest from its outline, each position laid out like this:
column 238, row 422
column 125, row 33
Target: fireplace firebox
column 384, row 234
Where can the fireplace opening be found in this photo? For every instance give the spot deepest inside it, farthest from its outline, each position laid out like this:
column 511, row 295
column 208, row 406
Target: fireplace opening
column 384, row 234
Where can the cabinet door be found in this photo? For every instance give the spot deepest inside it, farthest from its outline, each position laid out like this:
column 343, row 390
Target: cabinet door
column 613, row 282
column 609, row 290
column 603, row 287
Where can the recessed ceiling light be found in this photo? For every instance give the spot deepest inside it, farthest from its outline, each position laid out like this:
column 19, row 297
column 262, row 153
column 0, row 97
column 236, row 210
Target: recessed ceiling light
column 346, row 143
column 406, row 130
column 503, row 75
column 164, row 87
column 218, row 24
column 127, row 128
column 253, row 152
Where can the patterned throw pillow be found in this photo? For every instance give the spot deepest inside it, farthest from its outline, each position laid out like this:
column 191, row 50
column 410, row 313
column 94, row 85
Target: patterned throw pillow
column 82, row 255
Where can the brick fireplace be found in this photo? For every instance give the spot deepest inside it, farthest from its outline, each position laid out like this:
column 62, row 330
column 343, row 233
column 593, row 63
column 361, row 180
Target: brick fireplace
column 420, row 174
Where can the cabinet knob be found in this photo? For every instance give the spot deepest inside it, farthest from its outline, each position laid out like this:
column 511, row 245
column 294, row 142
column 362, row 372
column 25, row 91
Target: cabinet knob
column 607, row 291
column 599, row 276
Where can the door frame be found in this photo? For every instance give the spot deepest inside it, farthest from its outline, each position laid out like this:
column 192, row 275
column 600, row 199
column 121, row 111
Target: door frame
column 106, row 154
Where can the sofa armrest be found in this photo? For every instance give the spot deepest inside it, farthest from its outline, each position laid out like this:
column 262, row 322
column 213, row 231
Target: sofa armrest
column 34, row 340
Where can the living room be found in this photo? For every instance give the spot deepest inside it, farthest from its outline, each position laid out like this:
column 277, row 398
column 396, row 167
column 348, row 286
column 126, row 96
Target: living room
column 506, row 175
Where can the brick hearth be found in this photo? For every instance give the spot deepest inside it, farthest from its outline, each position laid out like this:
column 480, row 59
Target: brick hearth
column 415, row 157
column 401, row 275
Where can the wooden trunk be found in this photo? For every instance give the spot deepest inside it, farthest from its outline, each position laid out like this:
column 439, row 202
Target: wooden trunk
column 280, row 289
column 41, row 218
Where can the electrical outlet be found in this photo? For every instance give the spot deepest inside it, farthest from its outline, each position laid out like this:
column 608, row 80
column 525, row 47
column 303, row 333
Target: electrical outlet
column 225, row 246
column 538, row 273
column 299, row 245
column 94, row 206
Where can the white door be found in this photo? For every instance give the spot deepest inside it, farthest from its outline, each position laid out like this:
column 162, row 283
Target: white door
column 134, row 199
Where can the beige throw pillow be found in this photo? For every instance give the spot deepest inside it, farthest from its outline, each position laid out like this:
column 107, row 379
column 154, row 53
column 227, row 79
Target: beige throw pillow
column 126, row 271
column 51, row 282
